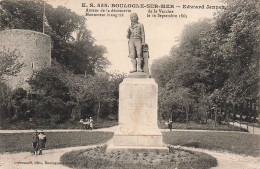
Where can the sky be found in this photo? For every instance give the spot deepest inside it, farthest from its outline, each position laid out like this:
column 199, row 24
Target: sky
column 161, row 33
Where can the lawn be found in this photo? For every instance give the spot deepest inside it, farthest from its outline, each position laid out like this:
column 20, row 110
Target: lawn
column 238, row 143
column 197, row 126
column 22, row 142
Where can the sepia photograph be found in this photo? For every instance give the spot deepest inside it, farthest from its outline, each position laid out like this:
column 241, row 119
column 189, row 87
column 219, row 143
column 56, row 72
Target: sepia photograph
column 140, row 84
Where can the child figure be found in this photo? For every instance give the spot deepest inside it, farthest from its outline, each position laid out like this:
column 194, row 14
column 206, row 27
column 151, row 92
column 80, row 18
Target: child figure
column 170, row 124
column 87, row 124
column 91, row 123
column 35, row 142
column 42, row 141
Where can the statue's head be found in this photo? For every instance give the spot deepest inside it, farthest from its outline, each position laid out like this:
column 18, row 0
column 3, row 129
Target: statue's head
column 134, row 17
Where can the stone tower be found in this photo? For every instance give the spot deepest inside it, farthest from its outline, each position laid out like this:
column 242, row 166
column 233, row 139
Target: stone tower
column 35, row 49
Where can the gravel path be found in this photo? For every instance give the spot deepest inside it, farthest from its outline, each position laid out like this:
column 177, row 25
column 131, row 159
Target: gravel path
column 228, row 160
column 252, row 130
column 110, row 129
column 51, row 158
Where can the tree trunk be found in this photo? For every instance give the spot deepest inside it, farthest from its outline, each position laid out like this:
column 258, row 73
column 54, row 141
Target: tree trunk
column 98, row 112
column 241, row 111
column 187, row 115
column 255, row 112
column 206, row 116
column 250, row 110
column 80, row 115
column 182, row 113
column 234, row 112
column 228, row 117
column 247, row 110
column 215, row 117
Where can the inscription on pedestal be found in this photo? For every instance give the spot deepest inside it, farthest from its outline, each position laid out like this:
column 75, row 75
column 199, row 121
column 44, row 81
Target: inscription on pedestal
column 138, row 105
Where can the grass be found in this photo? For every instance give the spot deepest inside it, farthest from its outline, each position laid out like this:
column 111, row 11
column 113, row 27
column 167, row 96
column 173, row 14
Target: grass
column 238, row 143
column 196, row 126
column 21, row 142
column 98, row 158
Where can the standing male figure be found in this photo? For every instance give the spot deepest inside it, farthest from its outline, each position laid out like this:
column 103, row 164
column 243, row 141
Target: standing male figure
column 35, row 142
column 136, row 36
column 42, row 141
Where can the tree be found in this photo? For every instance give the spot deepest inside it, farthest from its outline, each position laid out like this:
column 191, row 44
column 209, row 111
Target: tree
column 104, row 91
column 9, row 63
column 83, row 96
column 5, row 101
column 91, row 56
column 241, row 48
column 21, row 15
column 183, row 76
column 53, row 100
column 162, row 69
column 9, row 66
column 47, row 83
column 217, row 60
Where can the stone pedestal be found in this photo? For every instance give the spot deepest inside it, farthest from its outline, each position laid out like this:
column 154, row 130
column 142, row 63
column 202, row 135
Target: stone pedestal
column 138, row 129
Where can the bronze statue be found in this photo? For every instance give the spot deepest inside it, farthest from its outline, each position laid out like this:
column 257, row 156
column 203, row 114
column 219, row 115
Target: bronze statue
column 136, row 36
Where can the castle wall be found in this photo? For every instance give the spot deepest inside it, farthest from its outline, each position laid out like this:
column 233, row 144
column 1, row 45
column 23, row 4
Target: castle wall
column 35, row 49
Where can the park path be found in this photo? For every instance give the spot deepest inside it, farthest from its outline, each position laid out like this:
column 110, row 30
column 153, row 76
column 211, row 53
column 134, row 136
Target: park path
column 25, row 160
column 251, row 129
column 228, row 160
column 109, row 129
column 50, row 158
column 112, row 129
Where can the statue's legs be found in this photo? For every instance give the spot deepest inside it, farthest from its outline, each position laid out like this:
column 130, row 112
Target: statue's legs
column 139, row 52
column 134, row 65
column 135, row 53
column 132, row 54
column 139, row 64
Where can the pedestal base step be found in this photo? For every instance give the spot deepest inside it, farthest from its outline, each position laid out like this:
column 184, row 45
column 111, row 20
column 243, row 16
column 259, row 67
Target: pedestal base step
column 139, row 75
column 112, row 148
column 138, row 140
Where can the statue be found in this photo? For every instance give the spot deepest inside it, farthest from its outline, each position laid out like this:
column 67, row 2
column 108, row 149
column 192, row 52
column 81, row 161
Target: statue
column 136, row 36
